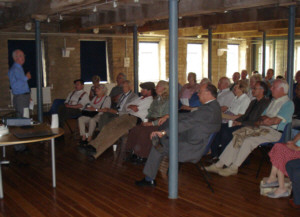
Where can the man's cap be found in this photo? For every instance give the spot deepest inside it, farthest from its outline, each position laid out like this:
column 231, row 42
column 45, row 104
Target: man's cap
column 148, row 85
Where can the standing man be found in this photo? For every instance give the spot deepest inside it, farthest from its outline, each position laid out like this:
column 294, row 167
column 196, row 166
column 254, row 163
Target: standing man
column 18, row 83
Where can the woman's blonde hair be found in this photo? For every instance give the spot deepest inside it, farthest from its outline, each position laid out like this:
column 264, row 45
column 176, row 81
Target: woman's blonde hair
column 257, row 77
column 193, row 74
column 243, row 86
column 165, row 85
column 96, row 78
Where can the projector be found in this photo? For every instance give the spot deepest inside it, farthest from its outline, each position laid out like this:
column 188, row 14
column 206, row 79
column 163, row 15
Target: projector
column 17, row 121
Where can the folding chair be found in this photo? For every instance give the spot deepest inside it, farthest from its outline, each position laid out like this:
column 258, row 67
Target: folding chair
column 266, row 147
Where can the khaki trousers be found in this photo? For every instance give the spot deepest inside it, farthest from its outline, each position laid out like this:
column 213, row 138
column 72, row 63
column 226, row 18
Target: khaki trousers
column 92, row 121
column 236, row 156
column 112, row 131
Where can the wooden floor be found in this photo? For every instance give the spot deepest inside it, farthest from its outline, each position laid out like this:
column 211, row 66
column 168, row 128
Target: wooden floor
column 106, row 187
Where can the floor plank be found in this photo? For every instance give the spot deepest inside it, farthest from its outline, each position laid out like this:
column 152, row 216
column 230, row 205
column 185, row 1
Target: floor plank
column 105, row 187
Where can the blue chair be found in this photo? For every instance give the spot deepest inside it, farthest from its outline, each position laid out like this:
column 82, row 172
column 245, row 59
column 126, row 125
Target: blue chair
column 266, row 147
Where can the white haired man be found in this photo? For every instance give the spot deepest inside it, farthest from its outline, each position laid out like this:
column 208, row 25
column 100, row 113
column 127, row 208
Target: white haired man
column 271, row 125
column 225, row 95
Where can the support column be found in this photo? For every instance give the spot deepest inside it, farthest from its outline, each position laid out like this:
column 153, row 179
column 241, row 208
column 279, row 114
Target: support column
column 173, row 66
column 209, row 53
column 290, row 56
column 135, row 59
column 264, row 55
column 39, row 74
column 274, row 54
column 253, row 62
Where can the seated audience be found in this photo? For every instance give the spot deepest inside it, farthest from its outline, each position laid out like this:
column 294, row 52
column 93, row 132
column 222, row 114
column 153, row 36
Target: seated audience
column 235, row 78
column 244, row 75
column 92, row 112
column 117, row 90
column 194, row 101
column 253, row 79
column 138, row 141
column 280, row 154
column 194, row 130
column 136, row 110
column 225, row 95
column 293, row 170
column 96, row 83
column 252, row 114
column 246, row 139
column 188, row 89
column 255, row 72
column 269, row 79
column 297, row 78
column 239, row 104
column 74, row 103
column 296, row 100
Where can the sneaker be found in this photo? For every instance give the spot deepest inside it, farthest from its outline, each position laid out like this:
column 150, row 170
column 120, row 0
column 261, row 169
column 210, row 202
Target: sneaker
column 273, row 195
column 228, row 171
column 213, row 169
column 144, row 182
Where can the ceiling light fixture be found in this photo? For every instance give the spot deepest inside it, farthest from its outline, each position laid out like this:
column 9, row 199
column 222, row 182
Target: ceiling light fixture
column 96, row 30
column 61, row 17
column 136, row 1
column 115, row 4
column 95, row 9
column 28, row 26
column 48, row 20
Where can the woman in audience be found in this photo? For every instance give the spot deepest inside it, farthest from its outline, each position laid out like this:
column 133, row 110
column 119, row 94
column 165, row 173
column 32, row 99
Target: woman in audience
column 237, row 108
column 188, row 89
column 96, row 82
column 92, row 113
column 139, row 137
column 280, row 154
column 253, row 79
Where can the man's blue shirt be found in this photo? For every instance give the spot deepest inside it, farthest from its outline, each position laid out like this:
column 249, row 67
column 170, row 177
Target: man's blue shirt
column 18, row 79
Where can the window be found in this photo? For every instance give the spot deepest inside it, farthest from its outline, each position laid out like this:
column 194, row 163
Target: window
column 268, row 58
column 232, row 59
column 149, row 62
column 298, row 59
column 28, row 47
column 93, row 60
column 194, row 59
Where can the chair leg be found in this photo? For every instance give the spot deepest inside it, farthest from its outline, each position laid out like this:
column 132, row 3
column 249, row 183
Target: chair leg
column 264, row 157
column 205, row 178
column 68, row 125
column 203, row 168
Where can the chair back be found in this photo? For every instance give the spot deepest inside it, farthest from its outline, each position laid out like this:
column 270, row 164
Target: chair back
column 207, row 147
column 284, row 136
column 54, row 108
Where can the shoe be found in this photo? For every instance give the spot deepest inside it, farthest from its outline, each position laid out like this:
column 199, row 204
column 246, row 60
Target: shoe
column 82, row 149
column 291, row 202
column 228, row 171
column 273, row 195
column 213, row 169
column 83, row 142
column 144, row 182
column 91, row 158
column 140, row 160
column 91, row 150
column 270, row 185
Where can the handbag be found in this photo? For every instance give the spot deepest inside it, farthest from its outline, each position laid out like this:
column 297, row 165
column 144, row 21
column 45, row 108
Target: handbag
column 89, row 113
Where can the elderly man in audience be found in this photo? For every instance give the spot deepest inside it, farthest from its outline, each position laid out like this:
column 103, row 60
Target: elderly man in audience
column 139, row 142
column 252, row 114
column 96, row 83
column 244, row 75
column 269, row 129
column 74, row 103
column 194, row 130
column 137, row 110
column 235, row 78
column 92, row 113
column 253, row 79
column 225, row 95
column 117, row 91
column 269, row 79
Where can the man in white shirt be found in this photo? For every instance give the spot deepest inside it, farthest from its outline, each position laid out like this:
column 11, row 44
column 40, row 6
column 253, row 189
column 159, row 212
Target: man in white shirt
column 74, row 103
column 111, row 132
column 225, row 95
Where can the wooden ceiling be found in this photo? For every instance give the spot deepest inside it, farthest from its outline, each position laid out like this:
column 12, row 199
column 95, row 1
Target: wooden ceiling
column 227, row 18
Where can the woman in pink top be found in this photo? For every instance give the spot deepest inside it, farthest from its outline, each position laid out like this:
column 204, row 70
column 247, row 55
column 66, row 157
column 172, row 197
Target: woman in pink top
column 188, row 89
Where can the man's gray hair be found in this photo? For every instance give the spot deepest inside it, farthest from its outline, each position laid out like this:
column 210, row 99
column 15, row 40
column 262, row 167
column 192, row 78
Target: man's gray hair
column 14, row 53
column 123, row 75
column 284, row 85
column 226, row 80
column 104, row 88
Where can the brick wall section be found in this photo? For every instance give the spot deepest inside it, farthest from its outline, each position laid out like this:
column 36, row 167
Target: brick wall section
column 4, row 82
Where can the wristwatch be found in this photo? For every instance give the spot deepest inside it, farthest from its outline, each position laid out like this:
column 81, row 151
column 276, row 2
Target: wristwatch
column 96, row 110
column 163, row 133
